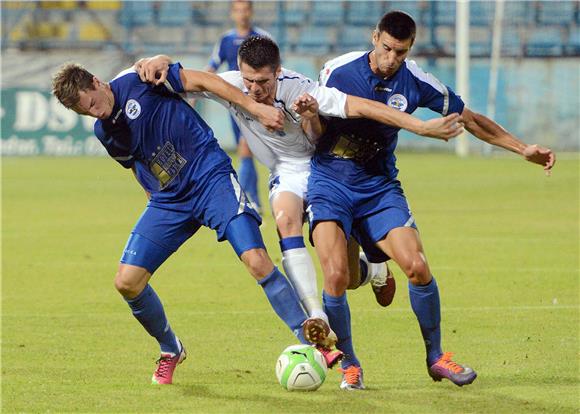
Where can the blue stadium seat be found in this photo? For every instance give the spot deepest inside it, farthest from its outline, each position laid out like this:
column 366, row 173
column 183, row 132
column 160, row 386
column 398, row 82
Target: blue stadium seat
column 545, row 41
column 136, row 13
column 175, row 13
column 511, row 42
column 519, row 13
column 351, row 38
column 414, row 8
column 327, row 13
column 314, row 40
column 481, row 13
column 572, row 46
column 444, row 12
column 364, row 13
column 296, row 12
column 480, row 41
column 556, row 12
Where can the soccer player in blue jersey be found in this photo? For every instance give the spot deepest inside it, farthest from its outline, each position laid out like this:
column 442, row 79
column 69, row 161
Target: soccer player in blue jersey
column 190, row 182
column 226, row 50
column 353, row 186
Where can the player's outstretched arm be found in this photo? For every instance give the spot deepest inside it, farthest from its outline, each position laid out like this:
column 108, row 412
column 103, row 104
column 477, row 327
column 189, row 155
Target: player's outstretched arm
column 443, row 128
column 489, row 131
column 154, row 70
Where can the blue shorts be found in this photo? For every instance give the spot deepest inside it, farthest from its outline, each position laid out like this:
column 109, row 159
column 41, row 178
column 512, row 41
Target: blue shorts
column 163, row 228
column 368, row 214
column 236, row 130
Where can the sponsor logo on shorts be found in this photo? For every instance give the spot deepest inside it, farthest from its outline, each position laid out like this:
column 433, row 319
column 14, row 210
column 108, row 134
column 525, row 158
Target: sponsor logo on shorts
column 132, row 109
column 398, row 101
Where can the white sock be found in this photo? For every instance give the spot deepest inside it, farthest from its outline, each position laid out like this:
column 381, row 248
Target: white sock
column 300, row 270
column 374, row 270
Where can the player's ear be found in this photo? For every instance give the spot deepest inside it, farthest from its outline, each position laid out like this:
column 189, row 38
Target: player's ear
column 96, row 82
column 375, row 37
column 278, row 70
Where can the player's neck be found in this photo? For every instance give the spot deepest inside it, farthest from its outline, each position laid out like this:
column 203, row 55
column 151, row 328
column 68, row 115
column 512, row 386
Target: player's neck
column 243, row 31
column 374, row 67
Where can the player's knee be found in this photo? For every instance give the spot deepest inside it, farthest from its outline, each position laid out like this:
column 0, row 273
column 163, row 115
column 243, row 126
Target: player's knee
column 417, row 270
column 257, row 262
column 288, row 225
column 127, row 284
column 336, row 278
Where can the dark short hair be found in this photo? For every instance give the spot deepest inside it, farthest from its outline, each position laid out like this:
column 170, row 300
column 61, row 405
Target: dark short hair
column 398, row 24
column 69, row 81
column 259, row 51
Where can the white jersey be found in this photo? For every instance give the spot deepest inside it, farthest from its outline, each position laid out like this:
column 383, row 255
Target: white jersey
column 292, row 145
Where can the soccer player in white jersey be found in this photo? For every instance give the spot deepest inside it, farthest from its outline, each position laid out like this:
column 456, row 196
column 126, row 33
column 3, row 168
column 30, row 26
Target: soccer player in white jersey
column 287, row 153
column 353, row 187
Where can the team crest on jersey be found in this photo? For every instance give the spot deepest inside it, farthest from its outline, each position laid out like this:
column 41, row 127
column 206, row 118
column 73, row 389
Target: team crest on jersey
column 132, row 109
column 398, row 101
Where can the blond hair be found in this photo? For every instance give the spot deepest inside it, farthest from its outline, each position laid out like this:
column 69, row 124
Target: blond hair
column 69, row 81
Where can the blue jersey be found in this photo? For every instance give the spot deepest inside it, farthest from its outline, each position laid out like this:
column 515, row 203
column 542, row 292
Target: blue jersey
column 406, row 90
column 153, row 130
column 226, row 49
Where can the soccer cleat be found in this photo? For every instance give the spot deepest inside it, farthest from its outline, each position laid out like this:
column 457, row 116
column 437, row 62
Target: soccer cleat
column 330, row 356
column 445, row 368
column 384, row 286
column 352, row 378
column 317, row 331
column 166, row 364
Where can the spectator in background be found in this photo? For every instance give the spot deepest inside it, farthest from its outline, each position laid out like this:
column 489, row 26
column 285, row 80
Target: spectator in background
column 226, row 50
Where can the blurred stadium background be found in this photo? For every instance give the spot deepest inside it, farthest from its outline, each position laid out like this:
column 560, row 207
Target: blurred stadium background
column 537, row 76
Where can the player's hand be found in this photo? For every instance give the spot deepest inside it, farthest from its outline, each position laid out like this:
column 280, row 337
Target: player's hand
column 444, row 128
column 305, row 106
column 540, row 155
column 271, row 117
column 153, row 70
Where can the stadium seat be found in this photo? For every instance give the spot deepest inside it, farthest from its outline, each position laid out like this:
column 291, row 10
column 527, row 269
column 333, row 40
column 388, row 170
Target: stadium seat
column 351, row 38
column 518, row 13
column 217, row 13
column 445, row 12
column 545, row 42
column 175, row 13
column 266, row 13
column 572, row 46
column 480, row 41
column 445, row 40
column 556, row 12
column 511, row 42
column 136, row 13
column 296, row 12
column 414, row 8
column 364, row 13
column 103, row 5
column 327, row 13
column 314, row 40
column 481, row 13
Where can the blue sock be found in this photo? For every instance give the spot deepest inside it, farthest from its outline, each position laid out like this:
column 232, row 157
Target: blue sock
column 249, row 179
column 148, row 310
column 285, row 302
column 425, row 304
column 336, row 307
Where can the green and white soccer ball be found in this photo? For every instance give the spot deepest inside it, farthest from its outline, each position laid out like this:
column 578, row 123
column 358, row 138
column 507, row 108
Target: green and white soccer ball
column 301, row 368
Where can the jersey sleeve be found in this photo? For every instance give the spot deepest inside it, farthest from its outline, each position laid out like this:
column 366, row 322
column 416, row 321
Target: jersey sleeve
column 217, row 57
column 173, row 82
column 331, row 101
column 116, row 144
column 434, row 94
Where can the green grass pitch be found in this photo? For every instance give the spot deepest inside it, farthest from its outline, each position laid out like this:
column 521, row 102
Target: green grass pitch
column 501, row 238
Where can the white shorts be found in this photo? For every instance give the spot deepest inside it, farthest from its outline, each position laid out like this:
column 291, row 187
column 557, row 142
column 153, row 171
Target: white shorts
column 291, row 177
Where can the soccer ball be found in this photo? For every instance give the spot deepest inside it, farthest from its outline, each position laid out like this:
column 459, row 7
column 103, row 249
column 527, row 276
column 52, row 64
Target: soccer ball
column 301, row 368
